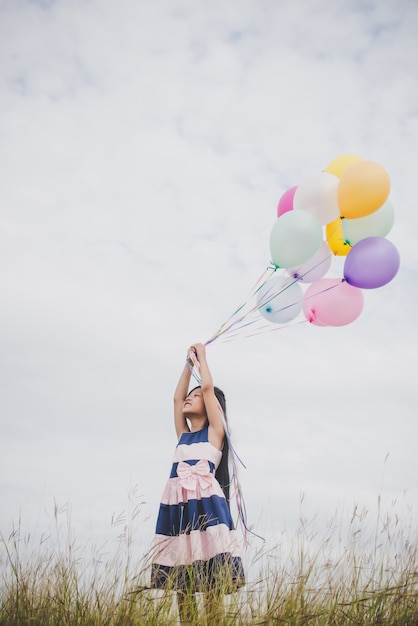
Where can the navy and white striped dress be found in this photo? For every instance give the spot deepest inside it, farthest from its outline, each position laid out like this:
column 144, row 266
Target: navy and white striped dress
column 196, row 545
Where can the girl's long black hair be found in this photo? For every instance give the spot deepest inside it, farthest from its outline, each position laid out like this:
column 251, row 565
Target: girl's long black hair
column 222, row 472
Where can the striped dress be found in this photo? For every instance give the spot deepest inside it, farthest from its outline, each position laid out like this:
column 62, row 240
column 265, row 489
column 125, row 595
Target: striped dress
column 196, row 546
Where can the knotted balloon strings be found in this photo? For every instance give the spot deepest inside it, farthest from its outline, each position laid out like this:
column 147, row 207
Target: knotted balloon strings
column 194, row 367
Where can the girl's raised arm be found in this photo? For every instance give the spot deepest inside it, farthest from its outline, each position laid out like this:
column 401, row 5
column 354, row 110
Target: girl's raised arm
column 179, row 396
column 216, row 432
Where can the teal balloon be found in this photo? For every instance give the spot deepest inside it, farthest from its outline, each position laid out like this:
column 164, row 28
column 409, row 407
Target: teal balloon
column 377, row 224
column 294, row 239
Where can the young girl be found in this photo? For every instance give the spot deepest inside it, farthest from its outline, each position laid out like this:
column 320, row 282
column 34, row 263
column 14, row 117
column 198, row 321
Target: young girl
column 196, row 547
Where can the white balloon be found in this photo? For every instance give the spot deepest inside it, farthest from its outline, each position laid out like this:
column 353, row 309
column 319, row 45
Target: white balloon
column 315, row 268
column 280, row 300
column 318, row 194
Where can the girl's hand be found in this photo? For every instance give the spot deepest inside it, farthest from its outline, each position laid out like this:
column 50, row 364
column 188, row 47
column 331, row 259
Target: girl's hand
column 199, row 350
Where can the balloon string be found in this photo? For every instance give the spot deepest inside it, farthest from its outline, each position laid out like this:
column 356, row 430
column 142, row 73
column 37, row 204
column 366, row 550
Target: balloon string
column 342, row 280
column 228, row 323
column 231, row 323
column 234, row 331
column 234, row 323
column 238, row 323
column 274, row 328
column 262, row 330
column 194, row 367
column 308, row 271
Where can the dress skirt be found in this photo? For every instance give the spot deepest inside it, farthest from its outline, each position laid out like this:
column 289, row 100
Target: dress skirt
column 196, row 547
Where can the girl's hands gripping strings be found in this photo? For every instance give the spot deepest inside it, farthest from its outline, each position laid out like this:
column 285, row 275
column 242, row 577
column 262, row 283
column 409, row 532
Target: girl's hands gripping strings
column 195, row 356
column 191, row 357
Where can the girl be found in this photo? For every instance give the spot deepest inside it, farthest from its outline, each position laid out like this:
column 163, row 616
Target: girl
column 196, row 547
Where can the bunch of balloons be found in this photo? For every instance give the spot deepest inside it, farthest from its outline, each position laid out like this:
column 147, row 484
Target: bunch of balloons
column 343, row 211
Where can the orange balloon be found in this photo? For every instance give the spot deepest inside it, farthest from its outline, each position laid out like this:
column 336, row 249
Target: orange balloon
column 363, row 188
column 335, row 238
column 341, row 163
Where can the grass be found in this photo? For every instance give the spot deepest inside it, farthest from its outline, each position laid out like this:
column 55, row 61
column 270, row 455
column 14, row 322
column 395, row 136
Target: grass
column 362, row 570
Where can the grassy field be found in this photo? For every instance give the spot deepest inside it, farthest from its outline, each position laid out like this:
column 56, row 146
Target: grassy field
column 354, row 571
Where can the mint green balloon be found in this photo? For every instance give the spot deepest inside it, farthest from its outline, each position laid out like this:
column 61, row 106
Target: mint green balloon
column 294, row 239
column 377, row 224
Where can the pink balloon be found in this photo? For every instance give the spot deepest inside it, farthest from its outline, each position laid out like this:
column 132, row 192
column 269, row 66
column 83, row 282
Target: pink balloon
column 332, row 302
column 286, row 202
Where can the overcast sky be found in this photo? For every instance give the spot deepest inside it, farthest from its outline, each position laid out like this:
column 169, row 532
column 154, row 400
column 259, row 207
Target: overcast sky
column 144, row 147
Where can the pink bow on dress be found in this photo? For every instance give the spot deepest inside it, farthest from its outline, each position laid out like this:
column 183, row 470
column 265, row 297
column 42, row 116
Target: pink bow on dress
column 190, row 476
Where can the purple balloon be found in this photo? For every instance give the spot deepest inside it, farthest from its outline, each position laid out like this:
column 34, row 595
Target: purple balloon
column 371, row 263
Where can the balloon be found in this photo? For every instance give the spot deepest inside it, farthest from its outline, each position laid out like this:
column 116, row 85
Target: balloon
column 318, row 194
column 371, row 263
column 280, row 300
column 377, row 224
column 363, row 188
column 341, row 163
column 315, row 268
column 335, row 238
column 332, row 302
column 286, row 202
column 295, row 238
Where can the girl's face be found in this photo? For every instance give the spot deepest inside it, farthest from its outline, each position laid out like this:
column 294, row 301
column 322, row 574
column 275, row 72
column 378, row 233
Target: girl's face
column 194, row 403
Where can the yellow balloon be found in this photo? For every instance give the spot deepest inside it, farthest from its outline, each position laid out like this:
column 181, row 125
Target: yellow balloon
column 335, row 238
column 341, row 163
column 363, row 188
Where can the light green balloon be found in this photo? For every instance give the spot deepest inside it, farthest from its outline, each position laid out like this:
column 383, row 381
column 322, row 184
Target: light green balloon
column 377, row 224
column 294, row 239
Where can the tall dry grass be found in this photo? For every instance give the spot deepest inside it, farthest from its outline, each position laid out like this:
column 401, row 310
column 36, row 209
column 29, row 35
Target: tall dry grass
column 361, row 569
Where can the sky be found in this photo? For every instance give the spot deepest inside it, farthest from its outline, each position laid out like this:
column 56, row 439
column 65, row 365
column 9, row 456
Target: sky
column 143, row 150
